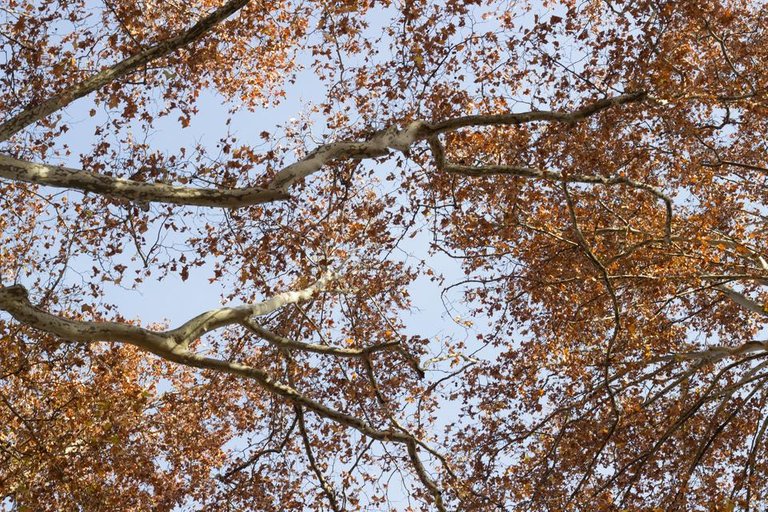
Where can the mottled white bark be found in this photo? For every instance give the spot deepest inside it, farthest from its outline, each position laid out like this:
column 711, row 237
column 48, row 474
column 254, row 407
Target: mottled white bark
column 377, row 146
column 172, row 346
column 138, row 191
column 743, row 301
column 15, row 300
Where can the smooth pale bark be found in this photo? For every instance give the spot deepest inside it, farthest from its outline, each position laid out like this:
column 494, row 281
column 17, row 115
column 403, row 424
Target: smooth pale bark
column 377, row 146
column 172, row 346
column 137, row 191
column 169, row 345
column 743, row 301
column 15, row 300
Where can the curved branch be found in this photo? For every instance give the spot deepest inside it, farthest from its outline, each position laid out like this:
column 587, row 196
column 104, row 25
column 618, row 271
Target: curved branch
column 537, row 115
column 287, row 343
column 717, row 353
column 15, row 300
column 216, row 318
column 742, row 300
column 378, row 145
column 324, row 485
column 421, row 472
column 402, row 140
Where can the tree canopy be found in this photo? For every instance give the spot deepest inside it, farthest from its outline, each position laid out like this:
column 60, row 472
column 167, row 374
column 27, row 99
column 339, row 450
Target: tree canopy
column 595, row 172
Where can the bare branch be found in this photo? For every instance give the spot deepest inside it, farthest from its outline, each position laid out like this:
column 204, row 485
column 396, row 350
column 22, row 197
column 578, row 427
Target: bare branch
column 327, row 489
column 421, row 471
column 377, row 146
column 216, row 318
column 15, row 300
column 713, row 354
column 540, row 115
column 401, row 140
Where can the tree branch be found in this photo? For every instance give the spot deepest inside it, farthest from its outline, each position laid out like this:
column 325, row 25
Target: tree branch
column 324, row 485
column 377, row 146
column 530, row 172
column 15, row 300
column 286, row 343
column 539, row 115
column 742, row 300
column 402, row 140
column 216, row 318
column 86, row 181
column 172, row 346
column 40, row 110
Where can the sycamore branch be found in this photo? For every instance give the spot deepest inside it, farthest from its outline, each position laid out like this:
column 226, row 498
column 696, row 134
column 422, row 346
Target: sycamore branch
column 378, row 145
column 40, row 110
column 402, row 140
column 537, row 115
column 324, row 485
column 173, row 346
column 15, row 300
column 217, row 318
column 742, row 300
column 139, row 191
column 713, row 354
column 288, row 344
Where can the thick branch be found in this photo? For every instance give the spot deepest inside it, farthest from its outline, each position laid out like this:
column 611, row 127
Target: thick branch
column 168, row 345
column 216, row 318
column 378, row 145
column 40, row 110
column 14, row 300
column 63, row 177
column 717, row 353
column 402, row 140
column 421, row 471
column 742, row 300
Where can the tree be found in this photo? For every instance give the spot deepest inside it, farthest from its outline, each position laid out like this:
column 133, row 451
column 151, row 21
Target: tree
column 597, row 171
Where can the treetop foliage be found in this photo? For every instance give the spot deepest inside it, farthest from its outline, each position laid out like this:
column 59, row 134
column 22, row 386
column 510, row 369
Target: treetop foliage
column 596, row 171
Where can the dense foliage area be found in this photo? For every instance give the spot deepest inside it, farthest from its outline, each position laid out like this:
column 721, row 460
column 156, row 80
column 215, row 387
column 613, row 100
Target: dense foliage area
column 594, row 172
